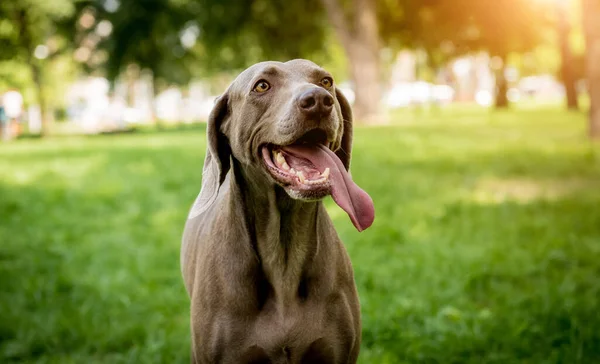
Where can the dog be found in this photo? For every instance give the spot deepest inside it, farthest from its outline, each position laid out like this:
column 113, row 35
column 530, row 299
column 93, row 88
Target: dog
column 268, row 278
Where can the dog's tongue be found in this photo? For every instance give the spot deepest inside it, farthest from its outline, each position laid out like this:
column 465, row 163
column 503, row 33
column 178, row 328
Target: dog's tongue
column 351, row 198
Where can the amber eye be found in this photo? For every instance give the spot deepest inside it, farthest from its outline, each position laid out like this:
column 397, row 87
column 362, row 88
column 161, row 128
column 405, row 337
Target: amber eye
column 327, row 82
column 261, row 86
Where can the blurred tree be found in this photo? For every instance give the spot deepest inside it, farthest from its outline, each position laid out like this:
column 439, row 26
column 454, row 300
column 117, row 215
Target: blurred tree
column 357, row 28
column 231, row 34
column 179, row 39
column 567, row 60
column 576, row 40
column 122, row 38
column 591, row 16
column 500, row 27
column 29, row 34
column 429, row 28
column 447, row 29
column 236, row 33
column 422, row 24
column 16, row 75
column 150, row 33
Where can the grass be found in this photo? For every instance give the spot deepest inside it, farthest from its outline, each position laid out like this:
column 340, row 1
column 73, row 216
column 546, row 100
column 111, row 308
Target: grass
column 485, row 248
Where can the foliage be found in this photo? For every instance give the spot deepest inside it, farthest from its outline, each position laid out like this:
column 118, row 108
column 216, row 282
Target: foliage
column 446, row 29
column 237, row 33
column 484, row 249
column 505, row 26
column 15, row 74
column 230, row 35
column 147, row 33
column 225, row 35
column 25, row 24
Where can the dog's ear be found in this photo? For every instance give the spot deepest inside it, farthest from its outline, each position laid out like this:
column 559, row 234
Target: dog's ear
column 217, row 159
column 345, row 150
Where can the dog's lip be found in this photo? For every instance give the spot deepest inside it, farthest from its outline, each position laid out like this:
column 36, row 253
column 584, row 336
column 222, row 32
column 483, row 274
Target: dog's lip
column 291, row 180
column 313, row 136
column 311, row 179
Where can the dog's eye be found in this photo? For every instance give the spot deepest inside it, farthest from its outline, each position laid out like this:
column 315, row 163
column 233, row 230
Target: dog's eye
column 327, row 82
column 261, row 86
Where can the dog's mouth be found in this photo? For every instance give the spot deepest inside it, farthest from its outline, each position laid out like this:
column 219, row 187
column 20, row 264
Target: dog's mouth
column 308, row 170
column 293, row 170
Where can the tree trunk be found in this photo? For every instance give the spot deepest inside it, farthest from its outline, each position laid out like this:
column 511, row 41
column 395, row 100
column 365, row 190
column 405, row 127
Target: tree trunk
column 36, row 72
column 361, row 44
column 34, row 64
column 501, row 87
column 591, row 14
column 564, row 29
column 154, row 94
column 131, row 94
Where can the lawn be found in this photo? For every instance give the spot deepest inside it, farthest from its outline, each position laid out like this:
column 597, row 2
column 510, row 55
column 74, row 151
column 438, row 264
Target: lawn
column 485, row 247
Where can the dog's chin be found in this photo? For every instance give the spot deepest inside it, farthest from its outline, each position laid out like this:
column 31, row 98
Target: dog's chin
column 307, row 195
column 300, row 179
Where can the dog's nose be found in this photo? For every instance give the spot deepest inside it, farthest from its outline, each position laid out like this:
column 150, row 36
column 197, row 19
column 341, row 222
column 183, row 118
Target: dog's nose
column 315, row 102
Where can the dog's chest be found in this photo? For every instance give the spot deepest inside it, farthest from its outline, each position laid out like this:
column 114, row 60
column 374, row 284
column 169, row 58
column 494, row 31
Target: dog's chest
column 291, row 329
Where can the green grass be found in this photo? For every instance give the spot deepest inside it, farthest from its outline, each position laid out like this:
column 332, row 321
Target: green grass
column 485, row 247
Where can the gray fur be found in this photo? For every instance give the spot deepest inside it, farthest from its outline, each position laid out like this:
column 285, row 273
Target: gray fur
column 268, row 277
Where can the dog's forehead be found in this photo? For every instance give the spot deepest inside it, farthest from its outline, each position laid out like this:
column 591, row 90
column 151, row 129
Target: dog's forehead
column 297, row 68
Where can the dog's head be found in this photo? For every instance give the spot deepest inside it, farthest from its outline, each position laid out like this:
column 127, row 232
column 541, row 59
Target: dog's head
column 289, row 122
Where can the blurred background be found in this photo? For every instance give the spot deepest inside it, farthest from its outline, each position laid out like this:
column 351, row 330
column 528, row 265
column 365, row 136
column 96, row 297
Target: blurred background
column 476, row 135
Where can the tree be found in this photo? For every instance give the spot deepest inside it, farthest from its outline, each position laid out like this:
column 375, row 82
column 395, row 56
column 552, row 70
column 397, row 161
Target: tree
column 32, row 38
column 502, row 27
column 179, row 40
column 237, row 33
column 147, row 33
column 447, row 29
column 566, row 69
column 271, row 29
column 359, row 35
column 136, row 35
column 591, row 14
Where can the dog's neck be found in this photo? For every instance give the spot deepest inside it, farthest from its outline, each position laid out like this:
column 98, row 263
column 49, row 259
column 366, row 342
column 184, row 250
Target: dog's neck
column 284, row 231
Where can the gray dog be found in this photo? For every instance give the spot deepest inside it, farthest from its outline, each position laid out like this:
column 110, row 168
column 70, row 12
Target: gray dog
column 268, row 277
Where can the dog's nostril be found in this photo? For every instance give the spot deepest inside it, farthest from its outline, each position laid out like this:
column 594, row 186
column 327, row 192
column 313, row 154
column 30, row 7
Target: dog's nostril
column 307, row 102
column 316, row 102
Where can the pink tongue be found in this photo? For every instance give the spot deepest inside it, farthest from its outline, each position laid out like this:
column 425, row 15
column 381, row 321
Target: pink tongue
column 351, row 198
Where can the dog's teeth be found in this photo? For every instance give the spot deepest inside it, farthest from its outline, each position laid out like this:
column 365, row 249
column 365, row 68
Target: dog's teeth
column 279, row 158
column 293, row 171
column 325, row 173
column 301, row 176
column 285, row 166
